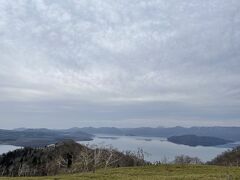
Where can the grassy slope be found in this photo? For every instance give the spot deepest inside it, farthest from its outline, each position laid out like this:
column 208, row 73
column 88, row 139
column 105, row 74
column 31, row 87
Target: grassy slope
column 151, row 172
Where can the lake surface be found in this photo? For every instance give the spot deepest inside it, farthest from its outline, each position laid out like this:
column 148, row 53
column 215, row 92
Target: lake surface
column 6, row 148
column 156, row 149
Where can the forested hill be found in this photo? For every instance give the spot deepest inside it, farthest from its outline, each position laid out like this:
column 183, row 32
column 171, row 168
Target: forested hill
column 63, row 157
column 228, row 158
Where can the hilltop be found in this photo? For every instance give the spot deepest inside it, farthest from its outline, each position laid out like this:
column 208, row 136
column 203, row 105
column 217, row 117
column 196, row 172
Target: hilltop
column 63, row 157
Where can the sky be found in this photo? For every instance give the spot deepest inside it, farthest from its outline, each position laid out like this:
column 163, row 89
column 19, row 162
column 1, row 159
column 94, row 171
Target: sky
column 76, row 63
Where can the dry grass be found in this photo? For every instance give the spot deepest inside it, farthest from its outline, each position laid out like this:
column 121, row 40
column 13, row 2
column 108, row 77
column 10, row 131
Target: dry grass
column 168, row 172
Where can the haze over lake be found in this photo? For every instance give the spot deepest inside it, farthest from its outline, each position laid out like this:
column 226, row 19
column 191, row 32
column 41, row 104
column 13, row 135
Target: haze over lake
column 156, row 149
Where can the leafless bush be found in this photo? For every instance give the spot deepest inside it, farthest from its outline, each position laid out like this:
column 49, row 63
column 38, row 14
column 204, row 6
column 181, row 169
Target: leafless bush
column 183, row 159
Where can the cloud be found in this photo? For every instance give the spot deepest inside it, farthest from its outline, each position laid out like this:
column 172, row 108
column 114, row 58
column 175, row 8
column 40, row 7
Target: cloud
column 120, row 52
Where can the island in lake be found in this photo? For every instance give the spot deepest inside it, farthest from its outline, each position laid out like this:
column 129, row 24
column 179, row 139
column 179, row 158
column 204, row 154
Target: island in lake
column 193, row 140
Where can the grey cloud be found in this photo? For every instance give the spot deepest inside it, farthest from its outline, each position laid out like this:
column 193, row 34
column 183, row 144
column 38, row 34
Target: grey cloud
column 120, row 52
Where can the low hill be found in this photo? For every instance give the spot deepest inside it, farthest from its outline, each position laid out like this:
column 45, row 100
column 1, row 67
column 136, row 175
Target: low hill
column 193, row 140
column 63, row 157
column 228, row 158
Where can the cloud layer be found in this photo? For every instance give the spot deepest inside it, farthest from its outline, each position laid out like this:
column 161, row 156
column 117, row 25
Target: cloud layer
column 104, row 62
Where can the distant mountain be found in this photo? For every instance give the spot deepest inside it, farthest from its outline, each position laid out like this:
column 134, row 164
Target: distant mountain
column 230, row 133
column 228, row 158
column 40, row 137
column 63, row 157
column 193, row 140
column 103, row 130
column 20, row 129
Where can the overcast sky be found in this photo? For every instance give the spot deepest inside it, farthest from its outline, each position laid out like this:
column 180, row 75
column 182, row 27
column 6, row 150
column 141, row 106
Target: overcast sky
column 122, row 63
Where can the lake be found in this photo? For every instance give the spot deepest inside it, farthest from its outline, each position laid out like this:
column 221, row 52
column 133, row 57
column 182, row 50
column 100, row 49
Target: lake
column 156, row 149
column 6, row 148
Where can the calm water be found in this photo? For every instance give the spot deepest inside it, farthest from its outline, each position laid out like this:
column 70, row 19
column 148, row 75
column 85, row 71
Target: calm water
column 156, row 148
column 6, row 148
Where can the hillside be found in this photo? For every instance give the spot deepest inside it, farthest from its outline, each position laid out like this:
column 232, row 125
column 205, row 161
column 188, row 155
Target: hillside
column 193, row 140
column 166, row 172
column 228, row 158
column 63, row 157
